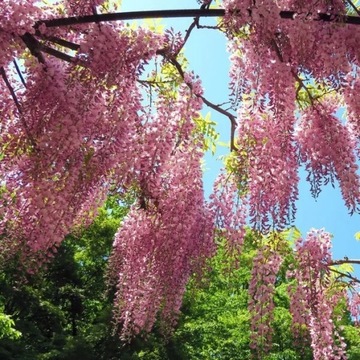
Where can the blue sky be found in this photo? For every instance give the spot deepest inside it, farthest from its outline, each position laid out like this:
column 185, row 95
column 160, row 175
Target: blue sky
column 206, row 52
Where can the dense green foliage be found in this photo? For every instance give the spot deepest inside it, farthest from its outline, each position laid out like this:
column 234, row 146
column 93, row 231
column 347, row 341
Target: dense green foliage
column 216, row 324
column 64, row 312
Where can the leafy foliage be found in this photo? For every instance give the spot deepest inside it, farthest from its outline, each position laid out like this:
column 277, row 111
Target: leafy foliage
column 64, row 311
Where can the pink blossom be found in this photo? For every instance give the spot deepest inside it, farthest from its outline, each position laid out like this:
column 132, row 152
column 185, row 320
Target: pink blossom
column 312, row 299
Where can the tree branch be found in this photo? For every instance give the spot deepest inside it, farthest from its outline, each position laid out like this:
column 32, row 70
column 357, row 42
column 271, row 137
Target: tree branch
column 217, row 108
column 188, row 33
column 293, row 72
column 229, row 115
column 203, row 12
column 353, row 6
column 57, row 53
column 345, row 261
column 133, row 15
column 18, row 106
column 12, row 92
column 19, row 73
column 34, row 46
column 302, row 85
column 350, row 277
column 68, row 44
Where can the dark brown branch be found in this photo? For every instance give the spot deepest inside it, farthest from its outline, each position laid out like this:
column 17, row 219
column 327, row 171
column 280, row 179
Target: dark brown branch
column 192, row 26
column 277, row 50
column 134, row 15
column 293, row 72
column 12, row 92
column 345, row 261
column 302, row 85
column 56, row 53
column 19, row 72
column 18, row 106
column 178, row 67
column 34, row 46
column 154, row 82
column 211, row 27
column 68, row 44
column 217, row 108
column 229, row 115
column 347, row 275
column 353, row 6
column 188, row 33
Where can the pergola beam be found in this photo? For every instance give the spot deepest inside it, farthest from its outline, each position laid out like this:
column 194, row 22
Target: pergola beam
column 154, row 14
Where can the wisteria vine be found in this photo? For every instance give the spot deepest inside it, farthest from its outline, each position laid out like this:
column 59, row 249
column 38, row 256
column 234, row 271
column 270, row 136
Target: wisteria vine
column 74, row 127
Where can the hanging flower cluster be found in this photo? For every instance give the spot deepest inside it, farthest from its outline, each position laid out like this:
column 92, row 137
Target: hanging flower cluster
column 268, row 156
column 16, row 19
column 312, row 299
column 266, row 265
column 79, row 129
column 275, row 64
column 353, row 109
column 328, row 150
column 168, row 233
column 354, row 306
column 82, row 7
column 70, row 138
column 229, row 211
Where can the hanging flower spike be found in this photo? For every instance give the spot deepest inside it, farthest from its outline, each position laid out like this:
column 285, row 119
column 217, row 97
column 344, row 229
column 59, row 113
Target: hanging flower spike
column 266, row 265
column 328, row 150
column 313, row 294
column 169, row 233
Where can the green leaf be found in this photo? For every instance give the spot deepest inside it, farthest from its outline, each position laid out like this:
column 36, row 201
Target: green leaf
column 207, row 127
column 291, row 234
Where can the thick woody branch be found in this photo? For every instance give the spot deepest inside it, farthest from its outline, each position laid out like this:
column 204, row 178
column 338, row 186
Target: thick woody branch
column 192, row 26
column 293, row 72
column 302, row 85
column 345, row 261
column 34, row 46
column 59, row 41
column 188, row 33
column 133, row 15
column 56, row 53
column 203, row 12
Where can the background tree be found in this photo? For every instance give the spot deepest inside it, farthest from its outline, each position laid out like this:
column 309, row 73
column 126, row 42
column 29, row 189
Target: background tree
column 64, row 311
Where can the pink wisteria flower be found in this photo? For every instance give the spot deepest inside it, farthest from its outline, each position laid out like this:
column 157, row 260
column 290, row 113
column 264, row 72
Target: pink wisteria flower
column 312, row 299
